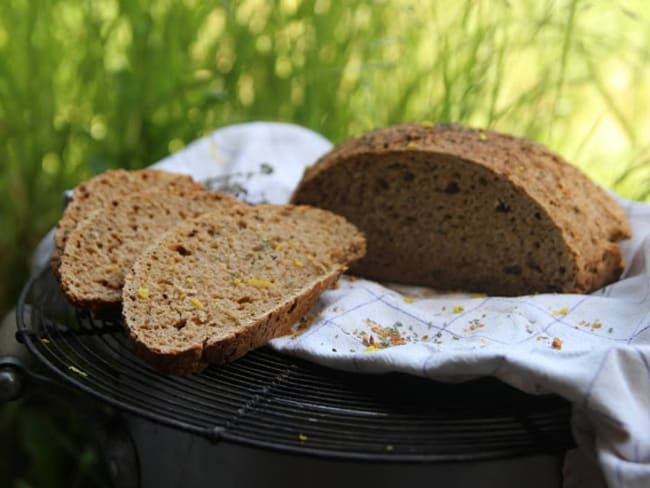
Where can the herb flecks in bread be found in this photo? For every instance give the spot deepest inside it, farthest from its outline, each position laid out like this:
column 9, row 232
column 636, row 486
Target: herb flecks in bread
column 227, row 282
column 106, row 188
column 103, row 247
column 456, row 208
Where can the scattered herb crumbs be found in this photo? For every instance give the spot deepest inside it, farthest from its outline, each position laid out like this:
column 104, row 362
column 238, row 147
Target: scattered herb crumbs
column 458, row 309
column 302, row 437
column 557, row 343
column 610, row 330
column 45, row 341
column 409, row 299
column 561, row 311
column 371, row 349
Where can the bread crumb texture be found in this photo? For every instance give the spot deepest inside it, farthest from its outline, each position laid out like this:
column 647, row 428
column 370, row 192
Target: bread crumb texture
column 227, row 282
column 103, row 247
column 455, row 208
column 109, row 188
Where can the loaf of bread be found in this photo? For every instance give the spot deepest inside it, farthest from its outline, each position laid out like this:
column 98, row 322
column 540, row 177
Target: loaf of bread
column 109, row 187
column 104, row 245
column 213, row 288
column 464, row 209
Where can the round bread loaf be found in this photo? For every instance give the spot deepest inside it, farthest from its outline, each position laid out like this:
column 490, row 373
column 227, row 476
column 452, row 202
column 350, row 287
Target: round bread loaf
column 102, row 247
column 213, row 288
column 457, row 208
column 108, row 187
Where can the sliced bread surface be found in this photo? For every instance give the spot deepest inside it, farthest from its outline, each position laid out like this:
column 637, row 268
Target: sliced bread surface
column 457, row 208
column 108, row 187
column 216, row 287
column 102, row 247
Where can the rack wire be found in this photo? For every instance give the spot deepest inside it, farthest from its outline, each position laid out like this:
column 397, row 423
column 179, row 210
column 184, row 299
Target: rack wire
column 273, row 401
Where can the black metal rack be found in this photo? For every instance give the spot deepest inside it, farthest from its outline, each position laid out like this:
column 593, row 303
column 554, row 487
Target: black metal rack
column 281, row 403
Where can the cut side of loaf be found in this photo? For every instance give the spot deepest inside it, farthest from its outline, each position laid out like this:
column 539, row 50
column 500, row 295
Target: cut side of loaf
column 106, row 188
column 464, row 209
column 103, row 247
column 216, row 287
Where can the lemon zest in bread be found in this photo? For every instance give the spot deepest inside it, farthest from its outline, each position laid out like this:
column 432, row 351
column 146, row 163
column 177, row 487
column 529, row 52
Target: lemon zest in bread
column 196, row 302
column 143, row 293
column 258, row 282
column 297, row 262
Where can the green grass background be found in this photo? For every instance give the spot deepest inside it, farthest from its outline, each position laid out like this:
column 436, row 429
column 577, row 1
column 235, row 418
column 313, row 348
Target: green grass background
column 87, row 85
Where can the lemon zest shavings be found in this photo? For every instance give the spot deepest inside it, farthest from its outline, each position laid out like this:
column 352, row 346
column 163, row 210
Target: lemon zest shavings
column 74, row 369
column 258, row 282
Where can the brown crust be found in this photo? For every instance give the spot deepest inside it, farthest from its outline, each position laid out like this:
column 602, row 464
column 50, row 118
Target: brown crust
column 589, row 222
column 105, row 187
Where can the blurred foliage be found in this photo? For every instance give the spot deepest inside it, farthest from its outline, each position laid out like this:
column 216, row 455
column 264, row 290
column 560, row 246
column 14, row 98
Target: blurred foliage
column 48, row 451
column 87, row 85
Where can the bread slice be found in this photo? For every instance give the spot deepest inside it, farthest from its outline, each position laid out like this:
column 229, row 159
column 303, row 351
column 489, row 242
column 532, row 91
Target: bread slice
column 103, row 246
column 457, row 208
column 110, row 186
column 216, row 287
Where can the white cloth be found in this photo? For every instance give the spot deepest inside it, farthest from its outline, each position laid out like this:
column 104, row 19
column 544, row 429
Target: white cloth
column 593, row 350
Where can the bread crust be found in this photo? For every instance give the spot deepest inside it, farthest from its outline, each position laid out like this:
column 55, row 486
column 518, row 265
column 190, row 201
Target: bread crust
column 583, row 223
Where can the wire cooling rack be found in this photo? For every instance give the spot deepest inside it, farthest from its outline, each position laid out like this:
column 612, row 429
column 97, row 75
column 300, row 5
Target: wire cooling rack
column 278, row 402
